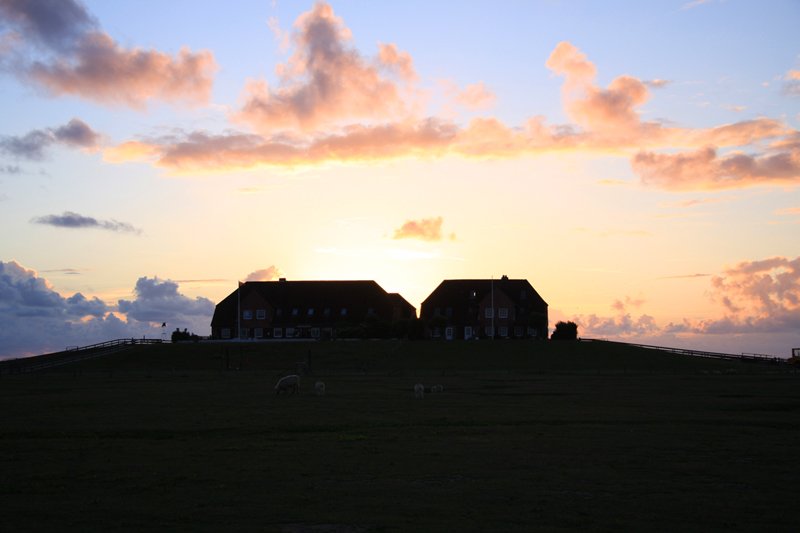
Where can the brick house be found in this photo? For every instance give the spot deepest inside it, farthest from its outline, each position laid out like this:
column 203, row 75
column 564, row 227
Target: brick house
column 309, row 309
column 484, row 308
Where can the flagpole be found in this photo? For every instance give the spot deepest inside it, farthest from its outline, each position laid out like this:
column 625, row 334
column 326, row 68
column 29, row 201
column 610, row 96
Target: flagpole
column 492, row 285
column 239, row 311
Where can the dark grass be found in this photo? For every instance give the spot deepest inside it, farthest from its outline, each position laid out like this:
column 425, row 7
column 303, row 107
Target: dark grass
column 526, row 436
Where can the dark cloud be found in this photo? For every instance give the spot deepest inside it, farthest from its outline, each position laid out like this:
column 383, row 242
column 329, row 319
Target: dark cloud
column 33, row 145
column 70, row 219
column 37, row 319
column 30, row 146
column 9, row 169
column 77, row 133
column 159, row 301
column 59, row 46
column 56, row 24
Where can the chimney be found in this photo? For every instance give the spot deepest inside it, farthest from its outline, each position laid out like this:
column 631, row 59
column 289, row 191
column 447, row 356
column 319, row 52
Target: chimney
column 281, row 279
column 504, row 278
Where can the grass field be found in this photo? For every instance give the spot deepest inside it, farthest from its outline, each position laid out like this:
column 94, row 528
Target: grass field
column 525, row 436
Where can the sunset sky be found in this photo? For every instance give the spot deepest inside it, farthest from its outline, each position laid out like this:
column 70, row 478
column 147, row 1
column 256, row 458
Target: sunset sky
column 637, row 162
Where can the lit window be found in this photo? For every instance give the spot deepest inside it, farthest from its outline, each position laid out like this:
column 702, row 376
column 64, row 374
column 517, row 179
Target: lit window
column 261, row 314
column 489, row 312
column 503, row 312
column 247, row 314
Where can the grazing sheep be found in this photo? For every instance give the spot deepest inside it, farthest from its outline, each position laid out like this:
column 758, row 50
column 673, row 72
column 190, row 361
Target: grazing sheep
column 419, row 390
column 287, row 384
column 319, row 388
column 437, row 388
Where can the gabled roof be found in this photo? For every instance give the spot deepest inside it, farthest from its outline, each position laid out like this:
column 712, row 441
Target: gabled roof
column 462, row 292
column 357, row 296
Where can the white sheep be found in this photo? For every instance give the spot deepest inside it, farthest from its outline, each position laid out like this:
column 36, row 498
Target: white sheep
column 419, row 390
column 437, row 388
column 319, row 388
column 288, row 383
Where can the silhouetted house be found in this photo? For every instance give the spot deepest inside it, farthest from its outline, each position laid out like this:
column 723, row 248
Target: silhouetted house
column 484, row 308
column 310, row 309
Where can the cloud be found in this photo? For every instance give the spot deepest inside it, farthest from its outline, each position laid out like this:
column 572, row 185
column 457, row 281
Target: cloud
column 788, row 211
column 265, row 274
column 38, row 319
column 791, row 83
column 426, row 229
column 326, row 82
column 475, row 96
column 159, row 301
column 73, row 220
column 32, row 145
column 657, row 83
column 9, row 169
column 704, row 169
column 51, row 24
column 334, row 105
column 60, row 48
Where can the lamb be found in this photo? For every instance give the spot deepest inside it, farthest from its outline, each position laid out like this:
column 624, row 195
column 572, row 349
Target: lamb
column 319, row 388
column 287, row 384
column 419, row 390
column 437, row 388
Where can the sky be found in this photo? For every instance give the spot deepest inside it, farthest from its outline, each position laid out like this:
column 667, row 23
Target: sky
column 637, row 162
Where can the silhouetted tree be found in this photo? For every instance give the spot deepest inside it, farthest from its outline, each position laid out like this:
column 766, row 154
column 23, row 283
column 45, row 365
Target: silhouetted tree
column 184, row 335
column 565, row 331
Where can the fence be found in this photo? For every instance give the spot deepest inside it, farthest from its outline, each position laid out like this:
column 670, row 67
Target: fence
column 71, row 354
column 699, row 353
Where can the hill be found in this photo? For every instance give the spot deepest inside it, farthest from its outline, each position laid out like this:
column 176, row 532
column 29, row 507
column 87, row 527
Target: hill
column 556, row 436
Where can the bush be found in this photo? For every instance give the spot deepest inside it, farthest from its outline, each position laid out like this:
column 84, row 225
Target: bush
column 565, row 331
column 178, row 336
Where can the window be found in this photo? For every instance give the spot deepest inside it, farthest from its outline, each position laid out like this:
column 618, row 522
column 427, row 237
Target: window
column 503, row 331
column 259, row 333
column 503, row 312
column 289, row 333
column 310, row 311
column 473, row 294
column 488, row 312
column 226, row 333
column 370, row 311
column 467, row 332
column 448, row 333
column 436, row 333
column 437, row 311
column 315, row 333
column 247, row 314
column 295, row 311
column 277, row 333
column 488, row 331
column 244, row 333
column 519, row 331
column 344, row 311
column 448, row 312
column 261, row 314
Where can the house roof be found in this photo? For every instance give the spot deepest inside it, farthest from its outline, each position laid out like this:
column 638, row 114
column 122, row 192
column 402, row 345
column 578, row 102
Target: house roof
column 357, row 296
column 460, row 293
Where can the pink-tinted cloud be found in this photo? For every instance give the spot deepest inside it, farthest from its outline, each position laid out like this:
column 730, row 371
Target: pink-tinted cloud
column 104, row 72
column 326, row 82
column 265, row 274
column 334, row 105
column 791, row 83
column 475, row 96
column 426, row 229
column 705, row 169
column 59, row 47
